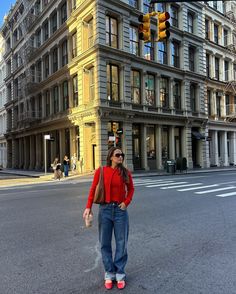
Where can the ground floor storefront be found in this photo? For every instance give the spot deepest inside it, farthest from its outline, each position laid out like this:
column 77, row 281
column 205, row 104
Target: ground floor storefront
column 146, row 146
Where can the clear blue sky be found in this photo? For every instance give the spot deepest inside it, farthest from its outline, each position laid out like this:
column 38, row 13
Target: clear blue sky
column 5, row 6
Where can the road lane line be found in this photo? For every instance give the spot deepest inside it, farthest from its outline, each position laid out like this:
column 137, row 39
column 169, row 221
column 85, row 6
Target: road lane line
column 226, row 194
column 196, row 188
column 215, row 190
column 165, row 184
column 179, row 186
column 153, row 182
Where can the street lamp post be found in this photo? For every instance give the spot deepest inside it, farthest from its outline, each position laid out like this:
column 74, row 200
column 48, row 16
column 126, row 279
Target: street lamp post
column 46, row 137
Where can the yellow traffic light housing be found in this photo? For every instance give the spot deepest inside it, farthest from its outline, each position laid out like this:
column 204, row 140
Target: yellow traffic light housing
column 163, row 26
column 144, row 28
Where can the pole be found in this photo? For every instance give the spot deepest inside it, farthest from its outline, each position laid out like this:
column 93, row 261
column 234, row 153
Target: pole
column 45, row 156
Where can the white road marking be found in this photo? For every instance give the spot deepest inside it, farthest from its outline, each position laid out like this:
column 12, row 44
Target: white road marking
column 215, row 190
column 165, row 184
column 226, row 194
column 196, row 188
column 179, row 186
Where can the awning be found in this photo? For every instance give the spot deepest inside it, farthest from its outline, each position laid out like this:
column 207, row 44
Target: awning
column 198, row 135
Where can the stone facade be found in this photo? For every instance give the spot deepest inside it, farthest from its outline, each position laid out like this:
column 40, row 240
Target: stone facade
column 76, row 70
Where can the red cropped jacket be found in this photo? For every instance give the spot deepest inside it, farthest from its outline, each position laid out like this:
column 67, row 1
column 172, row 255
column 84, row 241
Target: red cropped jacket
column 116, row 190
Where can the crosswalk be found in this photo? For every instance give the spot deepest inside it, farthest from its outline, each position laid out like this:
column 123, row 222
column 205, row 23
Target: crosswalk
column 219, row 190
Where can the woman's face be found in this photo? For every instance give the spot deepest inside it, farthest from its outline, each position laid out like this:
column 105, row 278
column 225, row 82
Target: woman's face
column 117, row 157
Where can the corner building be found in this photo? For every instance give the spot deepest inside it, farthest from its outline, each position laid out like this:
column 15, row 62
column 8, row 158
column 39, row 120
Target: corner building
column 77, row 70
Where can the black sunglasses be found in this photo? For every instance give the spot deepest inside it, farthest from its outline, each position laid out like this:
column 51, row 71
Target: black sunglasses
column 119, row 154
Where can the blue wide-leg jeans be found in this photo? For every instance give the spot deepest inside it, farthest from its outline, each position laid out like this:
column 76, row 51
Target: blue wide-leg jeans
column 112, row 218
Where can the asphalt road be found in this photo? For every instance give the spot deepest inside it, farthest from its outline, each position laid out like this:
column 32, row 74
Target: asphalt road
column 182, row 238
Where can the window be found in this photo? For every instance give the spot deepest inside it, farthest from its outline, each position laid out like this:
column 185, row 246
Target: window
column 134, row 41
column 74, row 45
column 214, row 4
column 227, row 104
column 164, row 92
column 54, row 60
column 39, row 71
column 217, row 68
column 176, row 95
column 208, row 65
column 147, row 6
column 47, row 103
column 216, row 33
column 161, row 7
column 218, row 108
column 65, row 95
column 55, row 100
column 91, row 84
column 113, row 83
column 73, row 4
column 135, row 87
column 75, row 91
column 149, row 49
column 133, row 3
column 111, row 32
column 45, row 31
column 191, row 53
column 162, row 52
column 149, row 90
column 64, row 53
column 38, row 38
column 226, row 70
column 225, row 37
column 190, row 22
column 209, row 102
column 63, row 13
column 193, row 97
column 207, row 33
column 46, row 66
column 175, row 54
column 54, row 22
column 90, row 33
column 174, row 16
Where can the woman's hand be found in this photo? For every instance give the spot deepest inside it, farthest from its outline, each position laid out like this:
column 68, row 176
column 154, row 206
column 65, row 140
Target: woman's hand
column 122, row 206
column 87, row 212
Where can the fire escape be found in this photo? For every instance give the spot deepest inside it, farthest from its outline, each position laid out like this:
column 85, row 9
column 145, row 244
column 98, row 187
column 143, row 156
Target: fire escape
column 29, row 80
column 230, row 13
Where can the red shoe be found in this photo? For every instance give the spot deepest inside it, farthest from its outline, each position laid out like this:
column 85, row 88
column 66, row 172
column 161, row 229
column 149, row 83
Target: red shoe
column 108, row 284
column 120, row 284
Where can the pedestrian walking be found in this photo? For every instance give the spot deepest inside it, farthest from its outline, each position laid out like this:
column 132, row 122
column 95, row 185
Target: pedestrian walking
column 66, row 163
column 73, row 162
column 113, row 216
column 56, row 166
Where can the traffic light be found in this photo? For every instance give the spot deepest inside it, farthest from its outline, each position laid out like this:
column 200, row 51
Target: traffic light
column 163, row 26
column 144, row 28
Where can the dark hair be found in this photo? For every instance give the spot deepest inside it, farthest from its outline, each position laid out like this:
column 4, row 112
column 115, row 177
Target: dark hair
column 122, row 170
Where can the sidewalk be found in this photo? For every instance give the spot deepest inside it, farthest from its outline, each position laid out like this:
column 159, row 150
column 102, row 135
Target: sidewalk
column 16, row 177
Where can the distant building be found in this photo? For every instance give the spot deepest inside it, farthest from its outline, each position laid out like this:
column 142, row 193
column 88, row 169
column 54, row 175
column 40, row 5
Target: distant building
column 77, row 70
column 3, row 117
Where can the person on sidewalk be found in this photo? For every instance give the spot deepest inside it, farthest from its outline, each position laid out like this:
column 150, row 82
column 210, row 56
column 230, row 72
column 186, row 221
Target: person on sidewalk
column 73, row 162
column 66, row 163
column 56, row 166
column 113, row 216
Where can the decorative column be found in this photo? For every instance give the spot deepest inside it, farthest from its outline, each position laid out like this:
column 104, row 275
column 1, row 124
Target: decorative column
column 224, row 152
column 215, row 157
column 158, row 147
column 144, row 163
column 171, row 98
column 172, row 142
column 38, row 152
column 158, row 102
column 127, row 144
column 232, row 148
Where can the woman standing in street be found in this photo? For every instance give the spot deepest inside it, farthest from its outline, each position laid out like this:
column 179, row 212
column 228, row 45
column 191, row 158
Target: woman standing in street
column 113, row 216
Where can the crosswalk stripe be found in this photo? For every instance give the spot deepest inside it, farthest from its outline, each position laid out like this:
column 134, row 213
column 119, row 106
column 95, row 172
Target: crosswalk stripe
column 197, row 188
column 226, row 194
column 179, row 186
column 215, row 190
column 165, row 184
column 150, row 182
